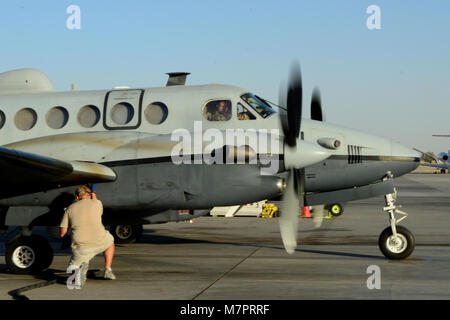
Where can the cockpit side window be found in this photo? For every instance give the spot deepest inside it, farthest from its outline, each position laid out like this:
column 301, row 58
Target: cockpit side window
column 258, row 105
column 217, row 110
column 243, row 113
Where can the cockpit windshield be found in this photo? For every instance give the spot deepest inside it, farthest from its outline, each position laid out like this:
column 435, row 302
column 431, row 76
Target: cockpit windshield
column 258, row 105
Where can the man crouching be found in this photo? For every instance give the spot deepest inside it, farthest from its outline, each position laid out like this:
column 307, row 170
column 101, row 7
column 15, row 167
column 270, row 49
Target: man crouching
column 89, row 236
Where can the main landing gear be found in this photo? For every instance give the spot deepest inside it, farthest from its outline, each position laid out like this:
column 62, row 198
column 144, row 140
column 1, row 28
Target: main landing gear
column 395, row 242
column 126, row 233
column 28, row 254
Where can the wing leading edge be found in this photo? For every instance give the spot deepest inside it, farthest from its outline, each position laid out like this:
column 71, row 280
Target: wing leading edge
column 23, row 172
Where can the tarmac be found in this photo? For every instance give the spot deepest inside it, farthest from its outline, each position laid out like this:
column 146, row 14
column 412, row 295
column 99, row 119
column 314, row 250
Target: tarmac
column 243, row 257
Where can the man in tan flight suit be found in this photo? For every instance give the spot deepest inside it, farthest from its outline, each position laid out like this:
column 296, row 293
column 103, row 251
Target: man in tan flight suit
column 89, row 236
column 222, row 112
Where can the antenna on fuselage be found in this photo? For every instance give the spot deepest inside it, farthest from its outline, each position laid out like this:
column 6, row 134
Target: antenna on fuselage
column 177, row 78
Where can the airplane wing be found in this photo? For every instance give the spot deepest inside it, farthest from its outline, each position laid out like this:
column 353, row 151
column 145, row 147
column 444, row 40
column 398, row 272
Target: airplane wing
column 436, row 165
column 23, row 172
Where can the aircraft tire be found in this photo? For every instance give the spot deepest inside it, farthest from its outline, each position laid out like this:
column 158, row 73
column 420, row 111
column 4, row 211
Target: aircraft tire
column 126, row 233
column 396, row 250
column 336, row 209
column 47, row 251
column 29, row 255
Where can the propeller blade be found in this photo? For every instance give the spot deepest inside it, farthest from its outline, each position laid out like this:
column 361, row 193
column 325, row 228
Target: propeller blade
column 316, row 106
column 291, row 120
column 290, row 209
column 283, row 112
column 294, row 100
column 289, row 215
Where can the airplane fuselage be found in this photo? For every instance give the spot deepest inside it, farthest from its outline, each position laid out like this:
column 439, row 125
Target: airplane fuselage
column 131, row 131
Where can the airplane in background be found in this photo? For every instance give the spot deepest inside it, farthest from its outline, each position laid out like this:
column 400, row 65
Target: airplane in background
column 123, row 141
column 441, row 162
column 441, row 159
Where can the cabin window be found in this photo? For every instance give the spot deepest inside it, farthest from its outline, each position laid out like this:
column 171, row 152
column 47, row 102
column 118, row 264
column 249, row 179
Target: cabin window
column 57, row 117
column 217, row 110
column 25, row 119
column 156, row 113
column 2, row 119
column 122, row 113
column 88, row 116
column 243, row 113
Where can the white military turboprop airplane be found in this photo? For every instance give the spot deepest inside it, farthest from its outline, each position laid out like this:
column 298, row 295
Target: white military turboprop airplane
column 156, row 151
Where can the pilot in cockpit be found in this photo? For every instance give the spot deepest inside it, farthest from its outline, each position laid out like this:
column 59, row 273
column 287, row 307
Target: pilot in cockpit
column 220, row 111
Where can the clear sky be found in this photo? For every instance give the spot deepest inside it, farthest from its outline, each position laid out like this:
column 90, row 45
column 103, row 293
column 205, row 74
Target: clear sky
column 394, row 81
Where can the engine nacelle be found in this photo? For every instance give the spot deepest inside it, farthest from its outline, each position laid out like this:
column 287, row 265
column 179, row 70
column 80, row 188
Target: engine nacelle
column 443, row 156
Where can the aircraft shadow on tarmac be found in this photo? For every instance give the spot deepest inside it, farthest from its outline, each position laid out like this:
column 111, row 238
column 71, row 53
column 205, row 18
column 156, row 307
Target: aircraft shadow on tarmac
column 150, row 238
column 147, row 237
column 342, row 254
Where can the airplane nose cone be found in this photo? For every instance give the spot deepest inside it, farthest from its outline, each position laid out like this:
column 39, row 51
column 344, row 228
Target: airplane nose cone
column 406, row 159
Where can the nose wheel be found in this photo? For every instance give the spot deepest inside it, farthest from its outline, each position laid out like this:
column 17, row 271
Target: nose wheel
column 395, row 242
column 396, row 247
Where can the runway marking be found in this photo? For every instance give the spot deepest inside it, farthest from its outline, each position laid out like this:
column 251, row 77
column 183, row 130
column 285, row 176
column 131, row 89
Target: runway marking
column 223, row 275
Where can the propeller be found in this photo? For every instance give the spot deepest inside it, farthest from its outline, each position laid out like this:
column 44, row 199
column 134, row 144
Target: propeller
column 298, row 154
column 291, row 119
column 316, row 106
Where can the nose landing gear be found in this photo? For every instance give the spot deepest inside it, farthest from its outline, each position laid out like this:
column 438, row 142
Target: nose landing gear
column 395, row 242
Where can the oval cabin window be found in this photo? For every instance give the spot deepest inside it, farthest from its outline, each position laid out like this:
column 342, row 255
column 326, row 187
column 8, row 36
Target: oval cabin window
column 122, row 113
column 57, row 117
column 156, row 113
column 2, row 119
column 88, row 116
column 25, row 119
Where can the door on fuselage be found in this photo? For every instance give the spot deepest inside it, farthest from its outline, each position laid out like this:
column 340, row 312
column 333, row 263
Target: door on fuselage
column 123, row 109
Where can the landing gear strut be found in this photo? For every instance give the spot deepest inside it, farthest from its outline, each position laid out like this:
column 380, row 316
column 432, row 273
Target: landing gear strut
column 395, row 242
